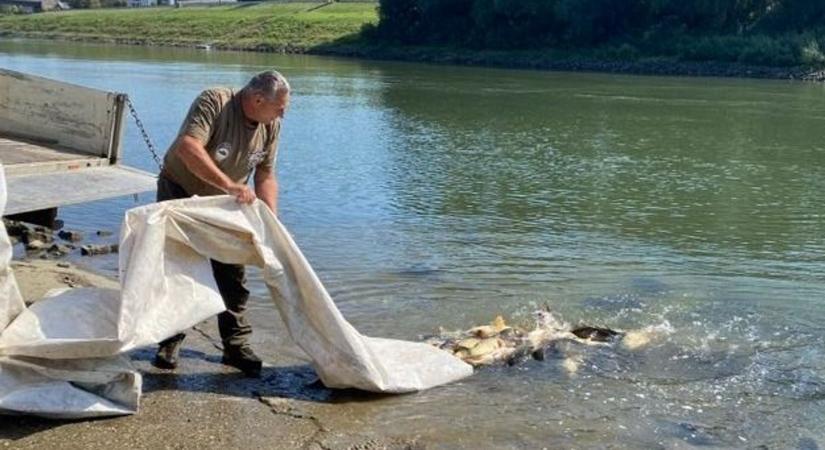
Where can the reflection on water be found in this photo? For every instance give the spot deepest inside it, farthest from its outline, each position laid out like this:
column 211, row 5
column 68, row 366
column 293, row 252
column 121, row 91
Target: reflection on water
column 430, row 196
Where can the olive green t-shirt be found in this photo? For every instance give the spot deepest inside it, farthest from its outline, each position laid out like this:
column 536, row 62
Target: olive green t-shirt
column 237, row 147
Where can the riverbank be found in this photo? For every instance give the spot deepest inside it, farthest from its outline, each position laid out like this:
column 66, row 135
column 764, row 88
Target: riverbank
column 561, row 61
column 335, row 30
column 203, row 404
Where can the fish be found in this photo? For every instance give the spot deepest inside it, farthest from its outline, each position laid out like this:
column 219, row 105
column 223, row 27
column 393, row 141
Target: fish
column 596, row 334
column 499, row 343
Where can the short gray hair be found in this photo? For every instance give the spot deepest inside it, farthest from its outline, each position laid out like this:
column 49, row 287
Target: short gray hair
column 269, row 84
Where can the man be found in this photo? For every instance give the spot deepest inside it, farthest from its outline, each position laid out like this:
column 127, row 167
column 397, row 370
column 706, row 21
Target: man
column 225, row 137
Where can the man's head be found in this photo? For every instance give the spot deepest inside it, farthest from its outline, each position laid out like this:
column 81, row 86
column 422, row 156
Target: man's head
column 265, row 97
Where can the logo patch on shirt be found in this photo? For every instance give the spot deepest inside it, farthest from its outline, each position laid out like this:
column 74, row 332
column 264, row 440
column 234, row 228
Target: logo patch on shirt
column 223, row 150
column 255, row 157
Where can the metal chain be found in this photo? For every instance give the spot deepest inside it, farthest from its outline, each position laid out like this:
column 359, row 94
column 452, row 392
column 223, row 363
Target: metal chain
column 145, row 135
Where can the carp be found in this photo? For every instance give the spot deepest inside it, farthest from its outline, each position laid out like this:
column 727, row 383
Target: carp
column 500, row 343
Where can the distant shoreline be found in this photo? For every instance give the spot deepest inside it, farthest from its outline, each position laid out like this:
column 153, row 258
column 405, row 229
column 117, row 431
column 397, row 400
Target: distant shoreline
column 531, row 60
column 535, row 60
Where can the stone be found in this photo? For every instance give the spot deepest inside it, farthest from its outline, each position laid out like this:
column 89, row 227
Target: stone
column 14, row 228
column 92, row 250
column 71, row 236
column 35, row 245
column 41, row 234
column 59, row 250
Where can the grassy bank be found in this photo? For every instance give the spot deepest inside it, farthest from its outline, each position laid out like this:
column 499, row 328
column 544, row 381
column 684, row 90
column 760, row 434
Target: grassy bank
column 336, row 29
column 295, row 27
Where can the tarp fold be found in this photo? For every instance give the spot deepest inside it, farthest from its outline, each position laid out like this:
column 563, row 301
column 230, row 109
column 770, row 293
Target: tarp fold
column 63, row 356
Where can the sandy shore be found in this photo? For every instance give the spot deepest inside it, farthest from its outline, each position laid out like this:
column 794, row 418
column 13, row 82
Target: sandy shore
column 36, row 277
column 203, row 404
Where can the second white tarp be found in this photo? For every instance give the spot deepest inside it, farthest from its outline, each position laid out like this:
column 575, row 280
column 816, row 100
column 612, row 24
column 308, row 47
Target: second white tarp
column 76, row 337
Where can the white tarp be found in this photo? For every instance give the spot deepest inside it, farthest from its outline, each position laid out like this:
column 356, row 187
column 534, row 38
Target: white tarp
column 63, row 357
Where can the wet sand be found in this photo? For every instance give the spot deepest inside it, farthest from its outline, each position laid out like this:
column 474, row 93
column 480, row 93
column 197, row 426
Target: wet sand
column 203, row 404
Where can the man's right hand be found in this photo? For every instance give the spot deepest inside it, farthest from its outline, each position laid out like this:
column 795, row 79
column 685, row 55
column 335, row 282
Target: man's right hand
column 242, row 193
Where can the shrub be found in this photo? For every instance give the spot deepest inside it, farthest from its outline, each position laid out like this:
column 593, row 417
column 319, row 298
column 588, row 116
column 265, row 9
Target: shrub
column 7, row 10
column 811, row 54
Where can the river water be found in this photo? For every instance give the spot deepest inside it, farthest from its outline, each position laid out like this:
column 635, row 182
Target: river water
column 435, row 196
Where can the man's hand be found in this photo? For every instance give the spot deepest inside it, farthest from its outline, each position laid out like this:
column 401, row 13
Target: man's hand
column 242, row 193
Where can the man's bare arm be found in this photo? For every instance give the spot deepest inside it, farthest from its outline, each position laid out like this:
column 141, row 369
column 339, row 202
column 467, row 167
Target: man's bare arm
column 266, row 188
column 197, row 160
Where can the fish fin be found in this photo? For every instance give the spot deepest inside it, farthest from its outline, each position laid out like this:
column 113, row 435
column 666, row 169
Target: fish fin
column 498, row 324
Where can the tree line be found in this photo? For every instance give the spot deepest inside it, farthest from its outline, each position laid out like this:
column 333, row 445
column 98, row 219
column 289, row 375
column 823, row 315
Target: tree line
column 639, row 24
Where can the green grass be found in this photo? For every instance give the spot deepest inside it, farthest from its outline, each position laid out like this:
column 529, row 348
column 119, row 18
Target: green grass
column 246, row 26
